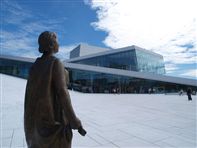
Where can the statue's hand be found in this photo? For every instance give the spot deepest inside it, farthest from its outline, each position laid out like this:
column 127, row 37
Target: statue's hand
column 82, row 131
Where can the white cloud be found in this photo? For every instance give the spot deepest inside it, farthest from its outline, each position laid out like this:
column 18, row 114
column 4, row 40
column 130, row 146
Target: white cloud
column 164, row 26
column 190, row 73
column 63, row 54
column 18, row 44
column 130, row 21
column 15, row 14
column 22, row 41
column 64, row 51
column 170, row 67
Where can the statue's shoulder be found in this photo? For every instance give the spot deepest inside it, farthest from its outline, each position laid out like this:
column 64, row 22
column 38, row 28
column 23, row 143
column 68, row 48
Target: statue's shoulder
column 55, row 59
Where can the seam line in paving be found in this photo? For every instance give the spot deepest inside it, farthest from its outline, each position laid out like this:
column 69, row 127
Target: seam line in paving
column 162, row 139
column 139, row 138
column 12, row 138
column 155, row 128
column 108, row 140
column 23, row 142
column 94, row 140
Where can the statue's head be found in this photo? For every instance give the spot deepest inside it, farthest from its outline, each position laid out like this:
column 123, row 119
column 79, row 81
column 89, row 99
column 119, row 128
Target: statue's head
column 48, row 42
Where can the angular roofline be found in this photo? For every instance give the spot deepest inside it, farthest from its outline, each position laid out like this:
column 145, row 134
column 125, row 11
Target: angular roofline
column 86, row 44
column 80, row 50
column 148, row 51
column 142, row 75
column 112, row 51
column 16, row 58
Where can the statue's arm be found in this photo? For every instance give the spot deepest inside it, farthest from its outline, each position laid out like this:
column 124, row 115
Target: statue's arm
column 63, row 94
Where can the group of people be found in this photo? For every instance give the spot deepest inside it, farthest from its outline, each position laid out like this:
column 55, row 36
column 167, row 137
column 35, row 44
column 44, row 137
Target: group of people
column 189, row 93
column 150, row 90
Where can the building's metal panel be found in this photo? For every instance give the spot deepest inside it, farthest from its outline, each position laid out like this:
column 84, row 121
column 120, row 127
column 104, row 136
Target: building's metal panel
column 85, row 49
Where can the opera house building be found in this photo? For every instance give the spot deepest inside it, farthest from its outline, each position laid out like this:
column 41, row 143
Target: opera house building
column 100, row 70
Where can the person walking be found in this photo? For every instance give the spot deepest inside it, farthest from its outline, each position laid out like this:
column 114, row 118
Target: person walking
column 189, row 93
column 48, row 113
column 181, row 92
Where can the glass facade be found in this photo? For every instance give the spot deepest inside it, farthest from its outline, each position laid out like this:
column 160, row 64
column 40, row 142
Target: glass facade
column 15, row 68
column 121, row 60
column 97, row 82
column 134, row 60
column 94, row 82
column 149, row 63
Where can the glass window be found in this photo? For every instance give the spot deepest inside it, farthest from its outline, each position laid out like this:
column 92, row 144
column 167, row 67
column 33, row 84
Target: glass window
column 134, row 60
column 149, row 63
column 121, row 60
column 94, row 82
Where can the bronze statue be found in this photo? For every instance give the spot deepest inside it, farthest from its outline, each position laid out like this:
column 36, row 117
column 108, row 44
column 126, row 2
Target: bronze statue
column 48, row 113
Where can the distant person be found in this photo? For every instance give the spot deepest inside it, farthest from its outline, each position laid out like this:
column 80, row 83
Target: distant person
column 114, row 90
column 48, row 113
column 181, row 92
column 149, row 90
column 118, row 90
column 193, row 92
column 154, row 90
column 189, row 93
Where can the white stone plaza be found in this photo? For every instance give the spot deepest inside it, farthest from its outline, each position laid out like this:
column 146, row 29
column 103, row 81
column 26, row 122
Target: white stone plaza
column 111, row 120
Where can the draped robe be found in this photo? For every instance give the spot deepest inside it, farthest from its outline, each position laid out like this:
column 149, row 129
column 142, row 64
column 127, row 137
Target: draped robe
column 48, row 113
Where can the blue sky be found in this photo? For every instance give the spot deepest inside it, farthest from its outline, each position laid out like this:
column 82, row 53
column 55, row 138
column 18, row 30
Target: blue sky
column 24, row 20
column 167, row 27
